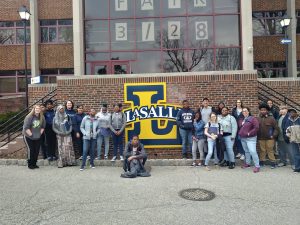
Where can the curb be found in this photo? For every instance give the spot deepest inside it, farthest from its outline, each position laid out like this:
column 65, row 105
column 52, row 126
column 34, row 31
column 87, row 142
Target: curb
column 118, row 163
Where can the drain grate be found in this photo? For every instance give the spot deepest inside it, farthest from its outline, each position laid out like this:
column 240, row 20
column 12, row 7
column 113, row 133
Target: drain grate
column 197, row 194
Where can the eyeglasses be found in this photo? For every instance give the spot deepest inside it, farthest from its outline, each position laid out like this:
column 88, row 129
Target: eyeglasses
column 245, row 111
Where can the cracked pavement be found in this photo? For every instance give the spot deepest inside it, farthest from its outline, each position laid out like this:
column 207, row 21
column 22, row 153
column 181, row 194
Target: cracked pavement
column 99, row 196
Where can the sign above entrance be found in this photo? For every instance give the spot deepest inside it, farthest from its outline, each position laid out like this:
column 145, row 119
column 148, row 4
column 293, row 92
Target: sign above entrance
column 150, row 116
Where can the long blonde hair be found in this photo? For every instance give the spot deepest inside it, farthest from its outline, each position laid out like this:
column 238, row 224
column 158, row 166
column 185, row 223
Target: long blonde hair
column 32, row 113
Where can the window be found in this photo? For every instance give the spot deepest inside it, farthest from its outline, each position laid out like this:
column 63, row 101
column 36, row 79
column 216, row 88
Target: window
column 162, row 35
column 49, row 75
column 13, row 81
column 267, row 23
column 12, row 33
column 56, row 31
column 270, row 69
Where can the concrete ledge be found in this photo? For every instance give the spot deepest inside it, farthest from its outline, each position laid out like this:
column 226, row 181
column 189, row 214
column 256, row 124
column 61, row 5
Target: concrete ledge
column 200, row 73
column 108, row 163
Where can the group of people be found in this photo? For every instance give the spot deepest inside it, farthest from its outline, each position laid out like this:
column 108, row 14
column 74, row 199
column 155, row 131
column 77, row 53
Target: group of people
column 65, row 129
column 215, row 132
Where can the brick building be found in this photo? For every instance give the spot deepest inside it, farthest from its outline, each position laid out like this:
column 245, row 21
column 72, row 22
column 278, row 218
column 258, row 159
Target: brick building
column 136, row 37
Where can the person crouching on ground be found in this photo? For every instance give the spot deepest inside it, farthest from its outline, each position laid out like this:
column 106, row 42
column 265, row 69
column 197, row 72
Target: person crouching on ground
column 62, row 126
column 33, row 128
column 135, row 159
column 90, row 129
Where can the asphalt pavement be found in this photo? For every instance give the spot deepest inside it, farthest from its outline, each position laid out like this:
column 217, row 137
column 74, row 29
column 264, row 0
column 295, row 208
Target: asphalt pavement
column 99, row 196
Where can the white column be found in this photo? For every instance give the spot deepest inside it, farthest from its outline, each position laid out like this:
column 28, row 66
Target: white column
column 292, row 48
column 247, row 35
column 78, row 32
column 34, row 38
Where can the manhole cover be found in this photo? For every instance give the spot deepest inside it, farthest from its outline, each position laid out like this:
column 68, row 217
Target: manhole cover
column 197, row 194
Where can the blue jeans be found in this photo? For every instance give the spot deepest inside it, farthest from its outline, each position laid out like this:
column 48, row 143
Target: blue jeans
column 284, row 151
column 118, row 143
column 211, row 149
column 239, row 145
column 229, row 154
column 186, row 137
column 99, row 145
column 88, row 146
column 249, row 145
column 296, row 153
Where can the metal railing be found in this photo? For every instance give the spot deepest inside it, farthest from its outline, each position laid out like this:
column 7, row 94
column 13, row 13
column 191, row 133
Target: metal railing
column 12, row 128
column 266, row 93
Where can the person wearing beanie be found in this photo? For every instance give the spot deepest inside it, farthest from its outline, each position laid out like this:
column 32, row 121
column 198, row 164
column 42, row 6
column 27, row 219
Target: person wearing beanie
column 267, row 134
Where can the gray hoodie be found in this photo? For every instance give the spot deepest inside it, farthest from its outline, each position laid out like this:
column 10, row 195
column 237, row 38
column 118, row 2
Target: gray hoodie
column 117, row 122
column 34, row 125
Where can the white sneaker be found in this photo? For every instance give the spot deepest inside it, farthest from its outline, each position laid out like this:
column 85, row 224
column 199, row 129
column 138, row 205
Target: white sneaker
column 93, row 167
column 105, row 157
column 114, row 159
column 81, row 169
column 238, row 155
column 121, row 158
column 242, row 157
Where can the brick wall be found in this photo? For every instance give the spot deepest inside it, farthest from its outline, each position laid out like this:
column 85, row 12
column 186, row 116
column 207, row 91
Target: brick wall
column 9, row 9
column 218, row 86
column 268, row 5
column 268, row 49
column 56, row 56
column 11, row 104
column 55, row 9
column 288, row 87
column 12, row 57
column 37, row 91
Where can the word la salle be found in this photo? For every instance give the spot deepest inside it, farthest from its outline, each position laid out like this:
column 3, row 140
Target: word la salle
column 155, row 111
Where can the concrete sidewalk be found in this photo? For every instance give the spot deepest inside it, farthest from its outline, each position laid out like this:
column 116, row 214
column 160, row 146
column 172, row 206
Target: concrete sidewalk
column 99, row 196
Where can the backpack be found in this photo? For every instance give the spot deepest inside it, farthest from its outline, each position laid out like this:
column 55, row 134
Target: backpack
column 294, row 133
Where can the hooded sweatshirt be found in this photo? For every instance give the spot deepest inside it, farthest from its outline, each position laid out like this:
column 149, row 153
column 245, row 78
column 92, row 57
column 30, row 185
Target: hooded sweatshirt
column 34, row 124
column 104, row 120
column 185, row 118
column 286, row 123
column 62, row 124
